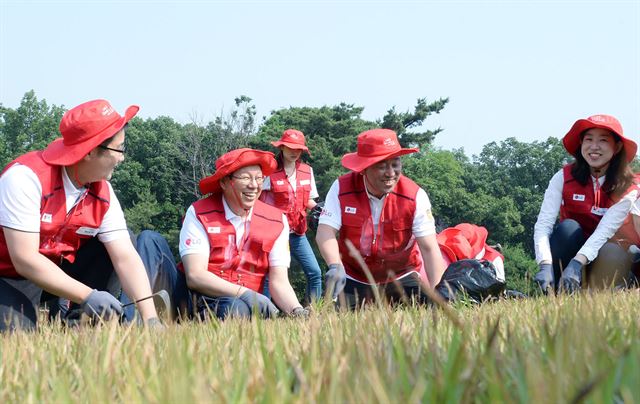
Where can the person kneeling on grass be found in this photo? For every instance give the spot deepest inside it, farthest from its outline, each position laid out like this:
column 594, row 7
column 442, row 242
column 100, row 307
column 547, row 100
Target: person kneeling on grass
column 387, row 217
column 230, row 240
column 593, row 196
column 63, row 230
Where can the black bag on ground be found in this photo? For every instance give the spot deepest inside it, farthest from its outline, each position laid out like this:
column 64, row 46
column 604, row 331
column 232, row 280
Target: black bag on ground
column 473, row 278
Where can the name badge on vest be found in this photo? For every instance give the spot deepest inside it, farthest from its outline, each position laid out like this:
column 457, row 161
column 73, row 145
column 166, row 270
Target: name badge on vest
column 280, row 182
column 349, row 209
column 598, row 211
column 213, row 230
column 47, row 217
column 87, row 231
column 578, row 197
column 305, row 182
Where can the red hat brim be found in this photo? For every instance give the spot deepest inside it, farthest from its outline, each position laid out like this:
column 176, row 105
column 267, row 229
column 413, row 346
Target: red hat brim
column 476, row 235
column 60, row 154
column 247, row 157
column 571, row 140
column 293, row 146
column 456, row 243
column 357, row 163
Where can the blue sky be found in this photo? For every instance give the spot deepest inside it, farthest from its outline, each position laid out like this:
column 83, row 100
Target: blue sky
column 522, row 69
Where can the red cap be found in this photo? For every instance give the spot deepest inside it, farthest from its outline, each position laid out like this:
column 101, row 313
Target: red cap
column 234, row 160
column 464, row 241
column 572, row 139
column 83, row 128
column 293, row 139
column 374, row 145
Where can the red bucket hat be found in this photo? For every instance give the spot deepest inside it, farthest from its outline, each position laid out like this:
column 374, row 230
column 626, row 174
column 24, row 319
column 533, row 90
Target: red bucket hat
column 234, row 160
column 293, row 139
column 374, row 145
column 464, row 241
column 83, row 128
column 571, row 140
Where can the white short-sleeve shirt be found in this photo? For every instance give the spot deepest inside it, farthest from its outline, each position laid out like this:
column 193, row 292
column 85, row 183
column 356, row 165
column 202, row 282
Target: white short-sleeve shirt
column 21, row 195
column 194, row 239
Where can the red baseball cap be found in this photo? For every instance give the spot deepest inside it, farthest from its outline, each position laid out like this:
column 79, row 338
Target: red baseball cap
column 572, row 139
column 374, row 145
column 293, row 139
column 234, row 160
column 463, row 241
column 83, row 128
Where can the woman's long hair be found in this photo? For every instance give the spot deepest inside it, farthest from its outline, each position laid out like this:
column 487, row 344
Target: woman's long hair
column 619, row 176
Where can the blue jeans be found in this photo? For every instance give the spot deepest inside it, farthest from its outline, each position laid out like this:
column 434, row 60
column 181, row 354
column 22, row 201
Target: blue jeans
column 221, row 307
column 161, row 269
column 303, row 253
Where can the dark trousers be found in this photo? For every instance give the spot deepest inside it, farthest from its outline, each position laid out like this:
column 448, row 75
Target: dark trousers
column 161, row 269
column 20, row 298
column 407, row 290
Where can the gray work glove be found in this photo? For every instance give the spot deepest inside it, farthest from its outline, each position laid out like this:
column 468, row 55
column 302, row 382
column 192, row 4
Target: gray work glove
column 571, row 277
column 335, row 279
column 154, row 323
column 101, row 304
column 544, row 278
column 300, row 312
column 260, row 303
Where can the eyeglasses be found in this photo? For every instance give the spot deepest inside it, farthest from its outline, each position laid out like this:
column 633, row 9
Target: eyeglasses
column 122, row 151
column 245, row 180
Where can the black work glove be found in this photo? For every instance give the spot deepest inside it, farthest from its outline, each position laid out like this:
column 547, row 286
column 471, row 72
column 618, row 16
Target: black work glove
column 260, row 303
column 335, row 279
column 314, row 216
column 299, row 312
column 101, row 304
column 544, row 278
column 571, row 277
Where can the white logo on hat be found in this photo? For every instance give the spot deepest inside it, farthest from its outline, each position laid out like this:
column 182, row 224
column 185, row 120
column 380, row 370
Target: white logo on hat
column 389, row 142
column 107, row 110
column 293, row 136
column 599, row 118
column 349, row 209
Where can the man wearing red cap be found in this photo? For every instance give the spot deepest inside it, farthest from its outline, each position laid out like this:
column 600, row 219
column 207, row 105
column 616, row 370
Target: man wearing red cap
column 63, row 228
column 230, row 240
column 386, row 216
column 593, row 197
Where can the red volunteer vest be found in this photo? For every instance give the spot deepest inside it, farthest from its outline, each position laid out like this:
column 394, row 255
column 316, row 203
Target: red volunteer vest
column 293, row 204
column 393, row 251
column 246, row 267
column 61, row 234
column 578, row 201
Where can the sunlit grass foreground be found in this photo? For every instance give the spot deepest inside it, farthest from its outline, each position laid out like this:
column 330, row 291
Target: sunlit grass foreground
column 537, row 350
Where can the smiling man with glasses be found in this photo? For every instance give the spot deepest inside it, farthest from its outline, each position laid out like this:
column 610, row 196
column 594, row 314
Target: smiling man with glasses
column 63, row 230
column 230, row 240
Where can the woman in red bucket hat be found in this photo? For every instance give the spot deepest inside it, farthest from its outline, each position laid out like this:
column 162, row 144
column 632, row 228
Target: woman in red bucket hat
column 292, row 189
column 230, row 241
column 63, row 228
column 387, row 217
column 593, row 197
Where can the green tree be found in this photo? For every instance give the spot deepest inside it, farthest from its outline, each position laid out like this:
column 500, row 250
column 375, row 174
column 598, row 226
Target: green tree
column 31, row 126
column 402, row 122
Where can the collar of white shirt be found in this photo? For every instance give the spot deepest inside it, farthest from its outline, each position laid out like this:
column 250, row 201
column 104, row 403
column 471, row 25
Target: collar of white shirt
column 230, row 215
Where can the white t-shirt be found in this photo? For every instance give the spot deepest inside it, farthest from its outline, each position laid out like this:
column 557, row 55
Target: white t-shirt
column 266, row 185
column 194, row 239
column 423, row 221
column 21, row 195
column 550, row 209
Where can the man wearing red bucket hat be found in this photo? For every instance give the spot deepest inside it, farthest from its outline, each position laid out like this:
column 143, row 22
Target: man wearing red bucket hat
column 386, row 216
column 230, row 240
column 593, row 197
column 63, row 228
column 292, row 189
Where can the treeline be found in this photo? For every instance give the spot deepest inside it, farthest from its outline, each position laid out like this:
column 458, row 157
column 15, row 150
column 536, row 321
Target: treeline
column 501, row 189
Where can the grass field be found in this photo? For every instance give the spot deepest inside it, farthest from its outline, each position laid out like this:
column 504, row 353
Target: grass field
column 542, row 350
